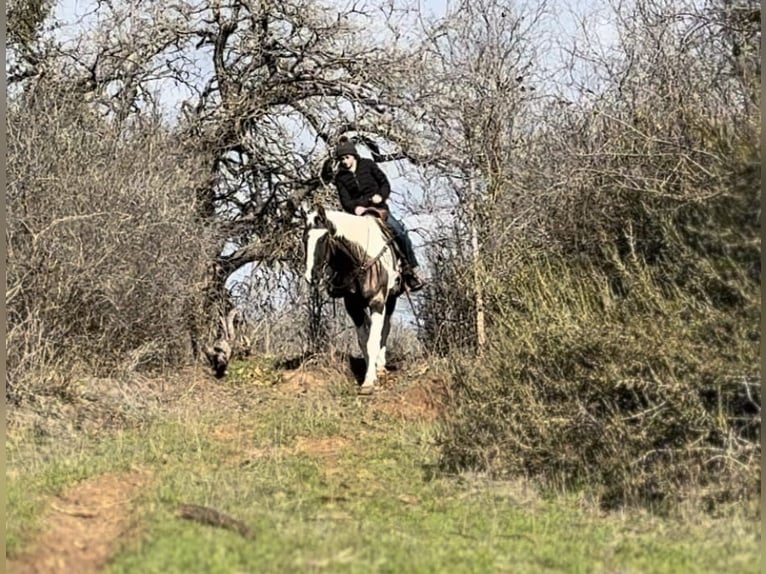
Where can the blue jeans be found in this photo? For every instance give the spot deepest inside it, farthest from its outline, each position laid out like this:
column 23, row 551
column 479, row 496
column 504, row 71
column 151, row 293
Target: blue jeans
column 403, row 240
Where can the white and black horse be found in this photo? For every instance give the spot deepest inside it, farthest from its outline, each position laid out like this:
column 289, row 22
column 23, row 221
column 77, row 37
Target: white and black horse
column 360, row 260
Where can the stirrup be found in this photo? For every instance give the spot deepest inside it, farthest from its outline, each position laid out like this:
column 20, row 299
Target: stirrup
column 412, row 281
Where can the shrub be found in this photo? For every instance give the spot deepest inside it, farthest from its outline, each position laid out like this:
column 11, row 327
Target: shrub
column 642, row 398
column 105, row 253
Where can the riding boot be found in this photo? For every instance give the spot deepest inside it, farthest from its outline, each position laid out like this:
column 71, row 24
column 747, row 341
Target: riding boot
column 412, row 280
column 409, row 261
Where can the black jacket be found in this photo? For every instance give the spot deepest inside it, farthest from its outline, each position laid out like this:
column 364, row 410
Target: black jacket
column 357, row 188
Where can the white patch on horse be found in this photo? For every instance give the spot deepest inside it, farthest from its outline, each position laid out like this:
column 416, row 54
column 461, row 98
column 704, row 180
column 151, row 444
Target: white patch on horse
column 365, row 232
column 373, row 349
column 314, row 235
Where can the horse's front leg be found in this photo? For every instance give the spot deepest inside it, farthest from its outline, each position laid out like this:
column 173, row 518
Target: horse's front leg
column 373, row 348
column 380, row 363
column 355, row 307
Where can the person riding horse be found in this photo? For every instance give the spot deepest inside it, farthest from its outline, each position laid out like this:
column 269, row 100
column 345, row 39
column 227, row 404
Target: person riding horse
column 362, row 187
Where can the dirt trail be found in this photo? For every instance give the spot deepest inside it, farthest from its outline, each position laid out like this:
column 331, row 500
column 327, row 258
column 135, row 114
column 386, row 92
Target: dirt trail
column 83, row 527
column 407, row 395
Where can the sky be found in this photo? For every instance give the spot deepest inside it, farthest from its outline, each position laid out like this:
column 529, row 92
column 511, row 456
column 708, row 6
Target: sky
column 563, row 21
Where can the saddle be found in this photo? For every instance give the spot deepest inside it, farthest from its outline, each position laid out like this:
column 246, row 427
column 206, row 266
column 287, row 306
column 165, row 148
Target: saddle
column 378, row 212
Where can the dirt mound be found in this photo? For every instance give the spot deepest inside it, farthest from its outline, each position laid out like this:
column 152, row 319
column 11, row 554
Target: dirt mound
column 422, row 399
column 407, row 393
column 83, row 527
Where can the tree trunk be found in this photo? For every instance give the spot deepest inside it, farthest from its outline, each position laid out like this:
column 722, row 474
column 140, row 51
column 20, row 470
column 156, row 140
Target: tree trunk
column 481, row 334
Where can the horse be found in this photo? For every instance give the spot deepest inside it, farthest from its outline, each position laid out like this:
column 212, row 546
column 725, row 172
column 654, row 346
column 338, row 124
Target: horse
column 361, row 259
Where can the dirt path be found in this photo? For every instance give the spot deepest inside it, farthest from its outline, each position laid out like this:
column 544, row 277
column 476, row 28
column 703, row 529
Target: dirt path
column 83, row 527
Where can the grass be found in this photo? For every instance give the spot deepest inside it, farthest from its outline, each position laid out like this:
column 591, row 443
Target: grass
column 332, row 483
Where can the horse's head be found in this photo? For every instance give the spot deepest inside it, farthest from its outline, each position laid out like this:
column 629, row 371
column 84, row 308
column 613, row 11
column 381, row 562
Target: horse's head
column 316, row 235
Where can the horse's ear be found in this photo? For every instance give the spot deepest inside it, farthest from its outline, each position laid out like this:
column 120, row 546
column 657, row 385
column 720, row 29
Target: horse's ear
column 303, row 214
column 321, row 215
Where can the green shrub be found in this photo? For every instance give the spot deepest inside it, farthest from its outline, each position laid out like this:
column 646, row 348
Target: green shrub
column 645, row 397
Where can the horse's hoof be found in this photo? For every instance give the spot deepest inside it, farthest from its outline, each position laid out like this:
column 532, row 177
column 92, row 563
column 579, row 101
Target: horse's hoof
column 366, row 389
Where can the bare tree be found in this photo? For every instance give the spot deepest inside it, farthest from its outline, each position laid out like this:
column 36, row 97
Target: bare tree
column 650, row 139
column 478, row 73
column 25, row 42
column 267, row 87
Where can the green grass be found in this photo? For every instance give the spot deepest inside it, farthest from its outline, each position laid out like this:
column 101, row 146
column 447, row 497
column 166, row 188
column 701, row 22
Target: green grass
column 372, row 504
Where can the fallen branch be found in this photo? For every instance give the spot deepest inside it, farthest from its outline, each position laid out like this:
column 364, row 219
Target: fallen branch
column 212, row 517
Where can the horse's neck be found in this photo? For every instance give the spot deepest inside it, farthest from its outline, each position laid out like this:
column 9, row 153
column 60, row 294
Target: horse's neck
column 364, row 231
column 357, row 240
column 346, row 252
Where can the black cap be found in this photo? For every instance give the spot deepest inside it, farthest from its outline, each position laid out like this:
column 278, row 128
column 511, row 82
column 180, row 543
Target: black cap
column 345, row 147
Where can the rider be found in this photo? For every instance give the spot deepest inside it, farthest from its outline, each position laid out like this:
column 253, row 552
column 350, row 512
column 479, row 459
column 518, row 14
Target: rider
column 362, row 184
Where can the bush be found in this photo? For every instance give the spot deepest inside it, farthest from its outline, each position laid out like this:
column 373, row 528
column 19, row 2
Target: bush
column 105, row 252
column 620, row 273
column 643, row 398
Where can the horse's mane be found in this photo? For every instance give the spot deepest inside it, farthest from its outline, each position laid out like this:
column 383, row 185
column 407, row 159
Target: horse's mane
column 352, row 248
